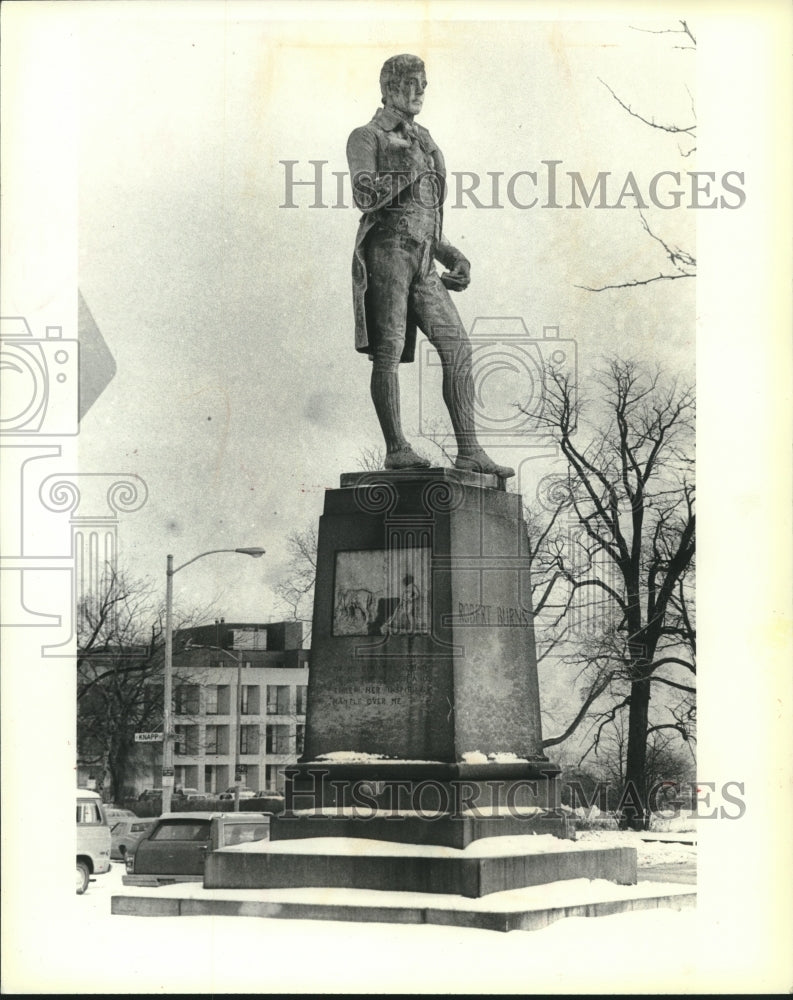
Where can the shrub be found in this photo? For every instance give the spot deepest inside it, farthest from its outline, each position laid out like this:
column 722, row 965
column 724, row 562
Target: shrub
column 270, row 803
column 594, row 819
column 150, row 807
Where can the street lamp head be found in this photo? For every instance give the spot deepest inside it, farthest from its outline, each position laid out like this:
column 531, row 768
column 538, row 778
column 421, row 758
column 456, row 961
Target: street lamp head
column 251, row 552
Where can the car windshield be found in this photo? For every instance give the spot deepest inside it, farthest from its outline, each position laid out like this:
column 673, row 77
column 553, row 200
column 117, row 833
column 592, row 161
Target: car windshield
column 244, row 833
column 88, row 812
column 180, row 830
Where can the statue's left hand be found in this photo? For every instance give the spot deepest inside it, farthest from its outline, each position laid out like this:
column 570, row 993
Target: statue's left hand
column 459, row 277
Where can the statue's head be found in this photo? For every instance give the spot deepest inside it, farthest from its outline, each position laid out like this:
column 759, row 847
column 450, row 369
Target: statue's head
column 402, row 83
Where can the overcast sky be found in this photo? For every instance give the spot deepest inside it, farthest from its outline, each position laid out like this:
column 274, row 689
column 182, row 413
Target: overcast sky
column 239, row 397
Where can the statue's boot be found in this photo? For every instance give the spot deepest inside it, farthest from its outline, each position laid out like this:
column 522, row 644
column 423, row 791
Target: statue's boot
column 385, row 396
column 458, row 394
column 478, row 461
column 405, row 458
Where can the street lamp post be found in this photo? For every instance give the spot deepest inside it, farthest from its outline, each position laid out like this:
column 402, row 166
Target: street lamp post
column 238, row 741
column 167, row 727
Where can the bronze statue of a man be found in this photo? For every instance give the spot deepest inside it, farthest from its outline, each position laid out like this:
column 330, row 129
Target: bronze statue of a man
column 398, row 182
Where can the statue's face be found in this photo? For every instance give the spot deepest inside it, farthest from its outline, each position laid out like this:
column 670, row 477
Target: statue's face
column 407, row 93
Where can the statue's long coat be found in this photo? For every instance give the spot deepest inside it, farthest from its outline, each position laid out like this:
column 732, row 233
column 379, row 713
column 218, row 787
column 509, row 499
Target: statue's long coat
column 380, row 168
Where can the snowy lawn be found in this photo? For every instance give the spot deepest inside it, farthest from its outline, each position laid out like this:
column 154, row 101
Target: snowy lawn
column 246, row 954
column 88, row 950
column 647, row 852
column 644, row 952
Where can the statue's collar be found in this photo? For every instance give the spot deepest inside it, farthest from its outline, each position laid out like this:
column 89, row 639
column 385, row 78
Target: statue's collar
column 389, row 119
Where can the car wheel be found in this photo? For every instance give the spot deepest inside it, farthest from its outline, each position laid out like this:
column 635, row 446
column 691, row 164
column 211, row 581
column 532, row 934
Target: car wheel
column 82, row 877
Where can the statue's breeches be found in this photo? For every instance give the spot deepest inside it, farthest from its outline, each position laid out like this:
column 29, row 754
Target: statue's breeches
column 402, row 282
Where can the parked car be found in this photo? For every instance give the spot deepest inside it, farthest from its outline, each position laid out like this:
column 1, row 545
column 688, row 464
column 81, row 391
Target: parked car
column 93, row 839
column 187, row 793
column 115, row 813
column 125, row 834
column 176, row 847
column 228, row 795
column 150, row 793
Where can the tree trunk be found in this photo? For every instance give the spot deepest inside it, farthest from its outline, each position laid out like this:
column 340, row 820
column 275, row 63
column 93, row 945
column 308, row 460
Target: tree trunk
column 633, row 811
column 117, row 767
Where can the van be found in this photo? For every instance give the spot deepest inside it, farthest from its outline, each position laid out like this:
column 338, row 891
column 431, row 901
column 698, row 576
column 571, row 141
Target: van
column 93, row 838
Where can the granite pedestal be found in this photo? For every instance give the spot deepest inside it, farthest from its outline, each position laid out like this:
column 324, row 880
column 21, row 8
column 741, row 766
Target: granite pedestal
column 423, row 769
column 423, row 687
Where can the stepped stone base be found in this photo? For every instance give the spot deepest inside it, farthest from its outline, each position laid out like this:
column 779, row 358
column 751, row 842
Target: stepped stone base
column 526, row 910
column 362, row 864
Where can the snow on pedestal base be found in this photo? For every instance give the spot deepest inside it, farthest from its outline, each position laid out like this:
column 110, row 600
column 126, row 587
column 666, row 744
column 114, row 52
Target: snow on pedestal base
column 516, row 909
column 490, row 865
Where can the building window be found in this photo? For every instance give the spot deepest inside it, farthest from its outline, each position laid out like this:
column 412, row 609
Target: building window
column 217, row 699
column 250, row 699
column 217, row 740
column 216, row 778
column 278, row 699
column 302, row 696
column 249, row 638
column 274, row 778
column 278, row 739
column 186, row 744
column 186, row 776
column 249, row 739
column 300, row 737
column 186, row 699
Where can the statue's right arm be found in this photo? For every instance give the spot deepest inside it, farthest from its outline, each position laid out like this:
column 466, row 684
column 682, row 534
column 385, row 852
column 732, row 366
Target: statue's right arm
column 369, row 191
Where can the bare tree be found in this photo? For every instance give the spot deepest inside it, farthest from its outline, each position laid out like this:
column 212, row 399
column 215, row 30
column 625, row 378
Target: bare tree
column 296, row 590
column 119, row 673
column 679, row 263
column 371, row 459
column 667, row 762
column 628, row 489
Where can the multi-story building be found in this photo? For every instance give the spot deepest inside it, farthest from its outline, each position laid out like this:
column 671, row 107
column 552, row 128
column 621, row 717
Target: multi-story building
column 239, row 699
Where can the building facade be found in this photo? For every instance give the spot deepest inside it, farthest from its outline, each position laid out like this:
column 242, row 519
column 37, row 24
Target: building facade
column 239, row 702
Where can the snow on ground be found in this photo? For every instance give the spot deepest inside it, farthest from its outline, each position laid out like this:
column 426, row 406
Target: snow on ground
column 569, row 892
column 645, row 951
column 76, row 945
column 647, row 852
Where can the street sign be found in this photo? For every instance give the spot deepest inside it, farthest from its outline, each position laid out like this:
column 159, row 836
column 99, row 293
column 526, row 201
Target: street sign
column 148, row 737
column 167, row 772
